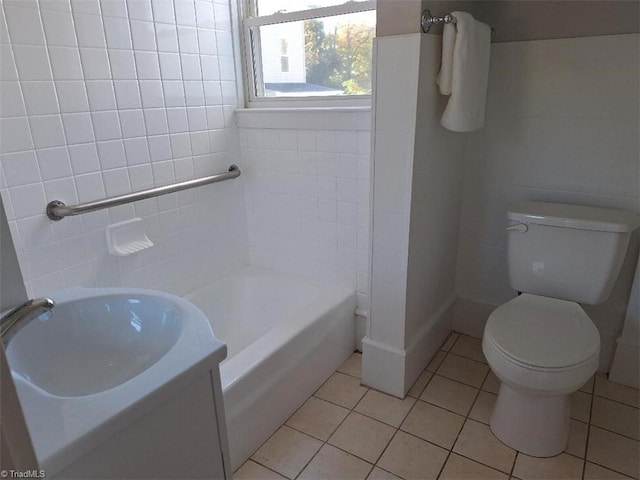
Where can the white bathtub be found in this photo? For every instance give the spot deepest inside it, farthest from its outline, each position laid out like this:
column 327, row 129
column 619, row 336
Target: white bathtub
column 285, row 335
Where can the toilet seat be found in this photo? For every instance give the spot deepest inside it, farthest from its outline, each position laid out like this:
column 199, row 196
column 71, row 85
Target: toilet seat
column 543, row 334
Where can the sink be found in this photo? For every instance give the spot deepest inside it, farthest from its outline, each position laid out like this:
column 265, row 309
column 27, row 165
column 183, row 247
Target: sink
column 102, row 358
column 89, row 345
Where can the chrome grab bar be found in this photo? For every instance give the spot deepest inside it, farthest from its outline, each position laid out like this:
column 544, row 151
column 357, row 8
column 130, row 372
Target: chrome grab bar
column 57, row 210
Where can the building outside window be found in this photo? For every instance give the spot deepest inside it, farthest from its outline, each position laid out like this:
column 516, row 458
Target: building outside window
column 308, row 49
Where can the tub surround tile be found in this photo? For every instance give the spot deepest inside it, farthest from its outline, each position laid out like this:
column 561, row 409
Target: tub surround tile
column 352, row 365
column 483, row 407
column 469, row 347
column 287, row 451
column 450, row 341
column 491, row 383
column 380, row 474
column 436, row 361
column 333, row 463
column 461, row 468
column 616, row 417
column 318, row 418
column 410, row 457
column 449, row 394
column 477, row 442
column 383, row 407
column 561, row 466
column 433, row 424
column 463, row 370
column 577, row 444
column 581, row 406
column 362, row 436
column 420, row 384
column 615, row 391
column 596, row 472
column 253, row 471
column 613, row 451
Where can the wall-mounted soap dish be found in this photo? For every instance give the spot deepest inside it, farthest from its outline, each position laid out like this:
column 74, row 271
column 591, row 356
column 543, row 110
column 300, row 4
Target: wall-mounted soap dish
column 127, row 238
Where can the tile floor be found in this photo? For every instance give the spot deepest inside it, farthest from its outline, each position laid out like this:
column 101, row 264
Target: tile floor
column 347, row 431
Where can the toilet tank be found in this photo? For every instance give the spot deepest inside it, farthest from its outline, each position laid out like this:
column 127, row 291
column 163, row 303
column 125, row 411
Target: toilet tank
column 567, row 251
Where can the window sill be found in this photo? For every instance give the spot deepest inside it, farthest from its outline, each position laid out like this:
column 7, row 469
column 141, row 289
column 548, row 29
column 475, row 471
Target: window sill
column 307, row 118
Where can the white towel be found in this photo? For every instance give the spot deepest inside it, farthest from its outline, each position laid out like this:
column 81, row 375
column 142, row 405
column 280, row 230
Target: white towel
column 464, row 73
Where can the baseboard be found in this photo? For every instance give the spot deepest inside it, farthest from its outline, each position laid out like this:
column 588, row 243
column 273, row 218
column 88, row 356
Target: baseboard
column 426, row 343
column 625, row 368
column 470, row 316
column 383, row 367
column 393, row 371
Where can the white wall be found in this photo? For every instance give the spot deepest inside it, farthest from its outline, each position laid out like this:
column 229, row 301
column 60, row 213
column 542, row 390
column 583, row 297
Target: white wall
column 562, row 125
column 108, row 97
column 307, row 195
column 416, row 203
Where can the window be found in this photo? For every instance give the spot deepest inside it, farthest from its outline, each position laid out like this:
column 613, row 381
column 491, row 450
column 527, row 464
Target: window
column 284, row 59
column 308, row 50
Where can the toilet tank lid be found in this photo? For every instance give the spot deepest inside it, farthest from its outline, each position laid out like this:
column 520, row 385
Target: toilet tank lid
column 574, row 216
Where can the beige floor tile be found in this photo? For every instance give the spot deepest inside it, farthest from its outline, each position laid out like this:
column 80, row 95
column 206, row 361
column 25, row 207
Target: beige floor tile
column 419, row 384
column 463, row 370
column 581, row 406
column 433, row 424
column 384, row 407
column 613, row 451
column 412, row 458
column 560, row 467
column 449, row 394
column 252, row 471
column 436, row 361
column 577, row 444
column 617, row 417
column 318, row 418
column 483, row 407
column 491, row 384
column 615, row 391
column 460, row 468
column 450, row 341
column 342, row 389
column 596, row 472
column 469, row 347
column 287, row 451
column 352, row 365
column 588, row 387
column 362, row 436
column 477, row 442
column 330, row 463
column 379, row 474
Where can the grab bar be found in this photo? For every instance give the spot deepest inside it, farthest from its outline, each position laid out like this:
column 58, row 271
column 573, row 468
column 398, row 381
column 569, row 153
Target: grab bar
column 57, row 210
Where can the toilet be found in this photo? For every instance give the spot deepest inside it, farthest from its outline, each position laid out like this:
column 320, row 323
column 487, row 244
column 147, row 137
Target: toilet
column 542, row 345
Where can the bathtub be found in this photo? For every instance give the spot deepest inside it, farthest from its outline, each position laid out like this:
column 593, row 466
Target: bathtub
column 285, row 336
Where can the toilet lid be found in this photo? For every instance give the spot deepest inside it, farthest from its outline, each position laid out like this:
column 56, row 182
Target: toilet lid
column 543, row 332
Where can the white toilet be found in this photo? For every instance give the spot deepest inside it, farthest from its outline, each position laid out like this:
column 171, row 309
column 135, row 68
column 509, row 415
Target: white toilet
column 542, row 345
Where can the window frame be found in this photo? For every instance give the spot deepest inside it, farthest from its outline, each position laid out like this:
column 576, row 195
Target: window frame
column 250, row 56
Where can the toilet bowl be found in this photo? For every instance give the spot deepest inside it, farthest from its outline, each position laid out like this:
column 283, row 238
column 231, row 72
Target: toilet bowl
column 542, row 349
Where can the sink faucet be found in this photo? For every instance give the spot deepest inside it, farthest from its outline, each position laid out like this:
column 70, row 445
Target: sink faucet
column 17, row 318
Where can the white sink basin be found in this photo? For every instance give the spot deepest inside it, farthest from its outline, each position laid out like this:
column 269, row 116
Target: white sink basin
column 101, row 359
column 89, row 345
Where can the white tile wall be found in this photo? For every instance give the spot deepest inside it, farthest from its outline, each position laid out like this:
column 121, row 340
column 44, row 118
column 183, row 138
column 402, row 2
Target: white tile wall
column 559, row 130
column 96, row 99
column 307, row 194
